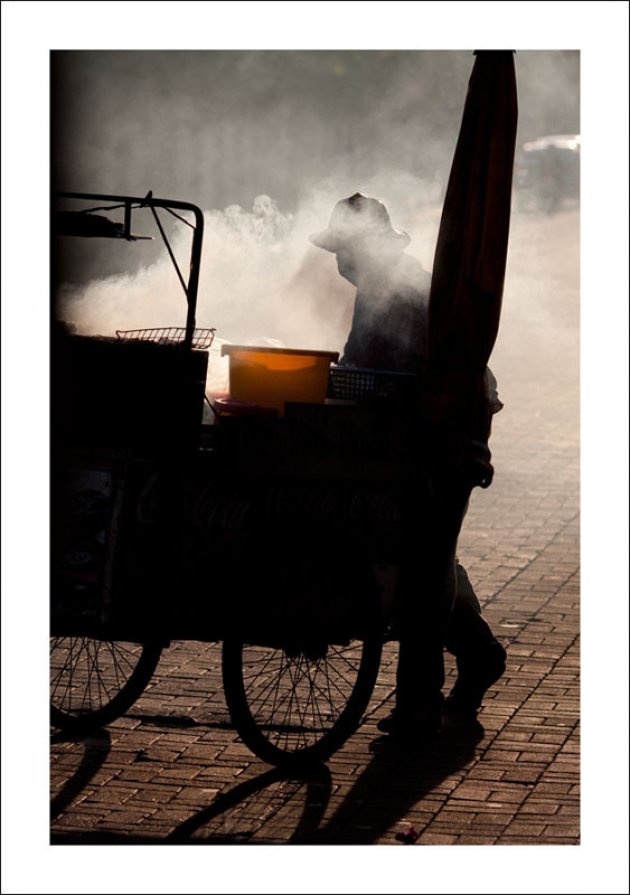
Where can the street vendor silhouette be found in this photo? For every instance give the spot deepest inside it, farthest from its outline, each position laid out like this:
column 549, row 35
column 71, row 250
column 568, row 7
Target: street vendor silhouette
column 389, row 331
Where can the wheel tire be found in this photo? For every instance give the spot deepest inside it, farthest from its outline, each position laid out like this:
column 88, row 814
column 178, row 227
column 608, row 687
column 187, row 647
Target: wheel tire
column 93, row 682
column 291, row 709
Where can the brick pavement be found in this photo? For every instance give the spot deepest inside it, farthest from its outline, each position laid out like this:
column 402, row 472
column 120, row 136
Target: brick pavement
column 173, row 771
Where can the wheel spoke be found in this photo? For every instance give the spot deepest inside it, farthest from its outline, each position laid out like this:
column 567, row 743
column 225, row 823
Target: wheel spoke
column 88, row 675
column 296, row 702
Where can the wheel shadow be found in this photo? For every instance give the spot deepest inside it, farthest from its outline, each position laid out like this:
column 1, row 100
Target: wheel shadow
column 254, row 803
column 97, row 748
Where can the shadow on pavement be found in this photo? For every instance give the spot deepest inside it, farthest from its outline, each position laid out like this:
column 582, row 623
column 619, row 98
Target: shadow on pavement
column 269, row 794
column 179, row 721
column 232, row 817
column 398, row 777
column 97, row 749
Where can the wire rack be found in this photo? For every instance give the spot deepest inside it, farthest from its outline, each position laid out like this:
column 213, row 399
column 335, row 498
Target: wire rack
column 168, row 335
column 364, row 385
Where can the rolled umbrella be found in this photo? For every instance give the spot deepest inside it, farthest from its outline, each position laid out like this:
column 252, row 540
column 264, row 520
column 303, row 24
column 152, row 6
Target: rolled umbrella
column 471, row 251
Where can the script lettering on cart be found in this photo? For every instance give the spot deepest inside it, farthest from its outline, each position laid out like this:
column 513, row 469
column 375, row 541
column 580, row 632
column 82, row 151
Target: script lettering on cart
column 367, row 504
column 203, row 506
column 311, row 502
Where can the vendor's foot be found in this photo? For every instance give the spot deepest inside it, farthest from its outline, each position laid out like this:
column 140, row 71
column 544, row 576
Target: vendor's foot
column 474, row 679
column 458, row 711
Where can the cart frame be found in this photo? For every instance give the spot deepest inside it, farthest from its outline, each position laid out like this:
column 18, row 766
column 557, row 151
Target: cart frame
column 293, row 697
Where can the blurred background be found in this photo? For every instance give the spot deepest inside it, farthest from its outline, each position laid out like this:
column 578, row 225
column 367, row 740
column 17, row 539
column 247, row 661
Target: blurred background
column 265, row 142
column 220, row 127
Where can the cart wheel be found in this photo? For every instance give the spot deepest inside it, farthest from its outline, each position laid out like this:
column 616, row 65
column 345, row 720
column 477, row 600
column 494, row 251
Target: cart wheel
column 296, row 706
column 93, row 682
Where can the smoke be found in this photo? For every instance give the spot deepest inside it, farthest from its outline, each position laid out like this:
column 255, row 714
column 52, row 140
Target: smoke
column 267, row 142
column 258, row 285
column 261, row 282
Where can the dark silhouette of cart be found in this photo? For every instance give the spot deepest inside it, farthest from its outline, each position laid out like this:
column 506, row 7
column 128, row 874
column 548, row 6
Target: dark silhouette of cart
column 277, row 535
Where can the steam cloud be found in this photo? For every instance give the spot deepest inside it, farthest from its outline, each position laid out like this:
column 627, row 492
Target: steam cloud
column 261, row 281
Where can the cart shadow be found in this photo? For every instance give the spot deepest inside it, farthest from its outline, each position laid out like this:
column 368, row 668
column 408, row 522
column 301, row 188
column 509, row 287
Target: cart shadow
column 265, row 803
column 97, row 748
column 179, row 721
column 398, row 777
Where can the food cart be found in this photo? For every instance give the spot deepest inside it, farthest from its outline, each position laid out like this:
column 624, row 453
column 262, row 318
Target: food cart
column 275, row 529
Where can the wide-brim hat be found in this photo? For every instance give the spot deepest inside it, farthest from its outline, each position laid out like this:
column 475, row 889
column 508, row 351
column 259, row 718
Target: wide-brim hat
column 356, row 219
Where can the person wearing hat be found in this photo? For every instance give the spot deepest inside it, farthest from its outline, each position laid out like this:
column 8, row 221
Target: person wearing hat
column 389, row 322
column 389, row 331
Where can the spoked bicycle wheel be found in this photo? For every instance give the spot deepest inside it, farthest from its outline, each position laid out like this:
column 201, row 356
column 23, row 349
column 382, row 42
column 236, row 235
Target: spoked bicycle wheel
column 93, row 682
column 298, row 706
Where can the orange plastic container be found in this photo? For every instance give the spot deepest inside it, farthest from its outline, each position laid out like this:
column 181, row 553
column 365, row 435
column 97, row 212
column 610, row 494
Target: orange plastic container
column 272, row 376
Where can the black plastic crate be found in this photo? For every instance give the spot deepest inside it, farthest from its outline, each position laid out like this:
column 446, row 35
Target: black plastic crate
column 366, row 386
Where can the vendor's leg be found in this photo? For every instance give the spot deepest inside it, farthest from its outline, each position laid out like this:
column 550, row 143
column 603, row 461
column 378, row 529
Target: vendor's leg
column 427, row 589
column 479, row 655
column 420, row 670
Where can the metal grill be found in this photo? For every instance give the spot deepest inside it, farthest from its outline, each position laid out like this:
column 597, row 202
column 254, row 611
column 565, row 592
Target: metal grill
column 168, row 335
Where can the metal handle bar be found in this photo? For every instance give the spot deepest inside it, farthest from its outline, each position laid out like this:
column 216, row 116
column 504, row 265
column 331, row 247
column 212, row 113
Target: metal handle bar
column 149, row 201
